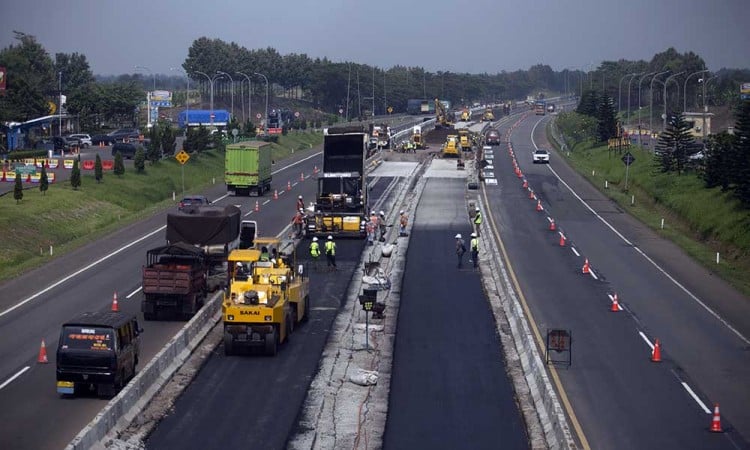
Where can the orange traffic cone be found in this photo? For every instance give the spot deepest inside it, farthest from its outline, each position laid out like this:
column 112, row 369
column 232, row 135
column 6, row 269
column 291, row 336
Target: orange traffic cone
column 562, row 240
column 525, row 183
column 288, row 185
column 115, row 305
column 302, row 176
column 656, row 352
column 539, row 205
column 531, row 194
column 315, row 169
column 257, row 206
column 519, row 174
column 42, row 359
column 615, row 304
column 552, row 226
column 586, row 268
column 275, row 194
column 715, row 421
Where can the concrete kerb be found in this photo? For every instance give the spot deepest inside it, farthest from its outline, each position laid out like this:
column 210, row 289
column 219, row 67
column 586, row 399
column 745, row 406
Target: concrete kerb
column 122, row 409
column 518, row 346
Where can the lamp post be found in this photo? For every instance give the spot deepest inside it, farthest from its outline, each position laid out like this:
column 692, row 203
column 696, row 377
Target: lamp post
column 148, row 95
column 59, row 107
column 651, row 107
column 666, row 82
column 619, row 92
column 187, row 98
column 705, row 105
column 249, row 95
column 684, row 88
column 640, row 81
column 266, row 80
column 231, row 92
column 630, row 81
column 211, row 84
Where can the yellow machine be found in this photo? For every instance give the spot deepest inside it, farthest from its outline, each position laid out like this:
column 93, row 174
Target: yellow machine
column 488, row 115
column 443, row 119
column 464, row 140
column 465, row 115
column 416, row 138
column 450, row 148
column 266, row 298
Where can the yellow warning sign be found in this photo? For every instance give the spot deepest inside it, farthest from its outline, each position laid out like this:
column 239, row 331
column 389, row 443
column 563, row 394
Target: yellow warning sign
column 182, row 157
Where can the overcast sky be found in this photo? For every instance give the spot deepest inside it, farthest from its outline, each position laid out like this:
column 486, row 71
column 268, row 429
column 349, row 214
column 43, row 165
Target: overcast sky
column 450, row 35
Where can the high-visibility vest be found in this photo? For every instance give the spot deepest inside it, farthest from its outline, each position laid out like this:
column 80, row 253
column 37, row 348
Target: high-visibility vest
column 478, row 218
column 314, row 249
column 330, row 248
column 264, row 256
column 474, row 244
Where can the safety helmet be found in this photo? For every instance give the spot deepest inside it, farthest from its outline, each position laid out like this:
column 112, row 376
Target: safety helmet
column 330, row 238
column 382, row 213
column 239, row 264
column 301, row 210
column 458, row 236
column 473, row 235
column 401, row 212
column 315, row 239
column 477, row 209
column 300, row 197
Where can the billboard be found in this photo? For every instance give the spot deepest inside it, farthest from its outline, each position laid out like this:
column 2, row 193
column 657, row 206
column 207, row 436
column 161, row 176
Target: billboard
column 161, row 96
column 3, row 76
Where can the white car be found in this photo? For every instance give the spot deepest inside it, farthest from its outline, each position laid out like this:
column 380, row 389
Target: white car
column 84, row 139
column 540, row 156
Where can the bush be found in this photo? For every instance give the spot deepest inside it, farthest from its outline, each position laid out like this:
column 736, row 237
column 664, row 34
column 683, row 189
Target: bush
column 139, row 162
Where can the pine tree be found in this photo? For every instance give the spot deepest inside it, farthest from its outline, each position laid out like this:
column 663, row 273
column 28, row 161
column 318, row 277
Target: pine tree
column 605, row 115
column 43, row 181
column 718, row 167
column 741, row 153
column 675, row 145
column 153, row 148
column 119, row 168
column 139, row 161
column 588, row 104
column 98, row 171
column 75, row 175
column 18, row 189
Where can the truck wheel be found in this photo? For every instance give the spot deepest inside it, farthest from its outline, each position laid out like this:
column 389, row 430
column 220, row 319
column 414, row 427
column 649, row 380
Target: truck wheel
column 228, row 344
column 271, row 343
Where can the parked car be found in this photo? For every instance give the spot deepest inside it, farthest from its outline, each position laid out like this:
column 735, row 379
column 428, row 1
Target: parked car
column 103, row 138
column 59, row 144
column 192, row 201
column 84, row 139
column 124, row 134
column 540, row 156
column 126, row 149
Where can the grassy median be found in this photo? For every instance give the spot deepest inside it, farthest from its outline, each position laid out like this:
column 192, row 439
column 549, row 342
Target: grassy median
column 66, row 219
column 701, row 221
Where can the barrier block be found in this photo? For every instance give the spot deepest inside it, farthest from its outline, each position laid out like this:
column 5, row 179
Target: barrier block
column 29, row 161
column 35, row 178
column 88, row 165
column 10, row 177
column 53, row 163
column 51, row 177
column 68, row 163
column 39, row 163
column 108, row 164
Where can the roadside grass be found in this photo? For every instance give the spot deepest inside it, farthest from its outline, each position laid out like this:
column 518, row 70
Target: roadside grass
column 67, row 219
column 701, row 221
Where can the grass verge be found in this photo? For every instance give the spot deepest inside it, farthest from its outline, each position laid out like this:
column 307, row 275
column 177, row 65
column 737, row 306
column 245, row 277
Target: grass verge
column 66, row 219
column 701, row 221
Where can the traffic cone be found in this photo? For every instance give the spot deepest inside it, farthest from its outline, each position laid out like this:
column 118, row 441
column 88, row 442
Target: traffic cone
column 552, row 226
column 525, row 183
column 656, row 352
column 615, row 304
column 42, row 359
column 562, row 240
column 257, row 206
column 520, row 174
column 315, row 169
column 288, row 185
column 539, row 205
column 531, row 194
column 275, row 194
column 715, row 421
column 586, row 268
column 302, row 176
column 115, row 305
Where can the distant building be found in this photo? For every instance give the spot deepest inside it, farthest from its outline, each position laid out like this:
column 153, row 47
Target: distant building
column 695, row 120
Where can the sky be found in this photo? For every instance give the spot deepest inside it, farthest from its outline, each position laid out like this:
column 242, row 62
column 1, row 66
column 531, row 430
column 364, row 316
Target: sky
column 440, row 35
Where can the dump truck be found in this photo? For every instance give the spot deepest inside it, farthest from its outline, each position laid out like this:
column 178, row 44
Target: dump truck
column 175, row 279
column 247, row 168
column 417, row 139
column 451, row 147
column 341, row 201
column 540, row 108
column 267, row 297
column 464, row 139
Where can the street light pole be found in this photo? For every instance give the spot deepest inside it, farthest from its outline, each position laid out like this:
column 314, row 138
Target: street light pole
column 666, row 82
column 705, row 106
column 640, row 81
column 59, row 107
column 249, row 95
column 231, row 92
column 266, row 117
column 148, row 96
column 187, row 99
column 211, row 84
column 651, row 107
column 684, row 88
column 629, row 82
column 619, row 92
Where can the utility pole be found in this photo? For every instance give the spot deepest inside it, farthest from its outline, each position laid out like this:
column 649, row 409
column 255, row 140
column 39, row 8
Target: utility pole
column 684, row 88
column 651, row 94
column 348, row 85
column 59, row 109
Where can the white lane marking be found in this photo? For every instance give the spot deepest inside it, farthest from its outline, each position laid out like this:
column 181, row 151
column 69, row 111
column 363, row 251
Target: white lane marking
column 281, row 192
column 134, row 292
column 490, row 181
column 646, row 339
column 593, row 275
column 573, row 249
column 267, row 201
column 18, row 374
column 612, row 299
column 295, row 183
column 248, row 213
column 695, row 397
column 648, row 258
column 80, row 271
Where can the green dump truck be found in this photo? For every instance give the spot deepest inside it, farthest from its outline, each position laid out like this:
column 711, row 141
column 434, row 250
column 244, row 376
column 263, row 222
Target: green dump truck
column 248, row 168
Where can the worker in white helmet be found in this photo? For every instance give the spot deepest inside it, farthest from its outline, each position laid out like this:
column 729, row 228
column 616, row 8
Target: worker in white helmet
column 403, row 221
column 315, row 251
column 381, row 225
column 460, row 250
column 474, row 247
column 300, row 203
column 330, row 249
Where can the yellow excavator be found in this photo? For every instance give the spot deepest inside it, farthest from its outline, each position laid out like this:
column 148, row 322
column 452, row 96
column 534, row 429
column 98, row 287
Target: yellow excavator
column 443, row 118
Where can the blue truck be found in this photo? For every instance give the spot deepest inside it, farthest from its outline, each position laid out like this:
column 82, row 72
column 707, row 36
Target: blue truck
column 203, row 117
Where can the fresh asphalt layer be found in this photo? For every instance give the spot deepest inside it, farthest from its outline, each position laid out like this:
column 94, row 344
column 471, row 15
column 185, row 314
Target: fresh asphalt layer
column 449, row 388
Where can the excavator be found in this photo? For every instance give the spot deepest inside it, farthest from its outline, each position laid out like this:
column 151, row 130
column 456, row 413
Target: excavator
column 443, row 118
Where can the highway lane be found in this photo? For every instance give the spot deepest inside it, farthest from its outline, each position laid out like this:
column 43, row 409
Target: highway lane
column 254, row 400
column 449, row 387
column 621, row 398
column 40, row 418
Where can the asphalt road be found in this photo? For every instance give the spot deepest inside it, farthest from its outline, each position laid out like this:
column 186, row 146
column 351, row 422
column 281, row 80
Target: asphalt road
column 33, row 306
column 449, row 388
column 621, row 398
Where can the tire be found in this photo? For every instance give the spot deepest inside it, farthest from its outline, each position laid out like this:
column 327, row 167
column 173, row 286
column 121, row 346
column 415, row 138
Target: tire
column 271, row 343
column 228, row 344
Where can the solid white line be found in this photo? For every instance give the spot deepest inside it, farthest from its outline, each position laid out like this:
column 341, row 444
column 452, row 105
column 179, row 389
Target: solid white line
column 134, row 292
column 695, row 397
column 646, row 339
column 573, row 249
column 658, row 267
column 18, row 374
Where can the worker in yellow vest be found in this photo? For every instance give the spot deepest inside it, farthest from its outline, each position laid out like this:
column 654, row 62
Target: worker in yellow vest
column 315, row 251
column 474, row 247
column 477, row 221
column 330, row 249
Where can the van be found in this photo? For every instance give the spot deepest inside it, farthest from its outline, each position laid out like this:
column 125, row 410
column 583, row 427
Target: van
column 97, row 351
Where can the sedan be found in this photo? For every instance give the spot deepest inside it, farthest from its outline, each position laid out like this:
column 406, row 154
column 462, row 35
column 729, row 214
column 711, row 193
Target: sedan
column 84, row 139
column 540, row 156
column 192, row 201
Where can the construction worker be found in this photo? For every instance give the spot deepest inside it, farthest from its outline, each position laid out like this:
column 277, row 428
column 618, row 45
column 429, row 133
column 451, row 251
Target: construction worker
column 460, row 250
column 300, row 203
column 403, row 221
column 298, row 221
column 381, row 224
column 315, row 251
column 330, row 248
column 264, row 255
column 477, row 221
column 240, row 272
column 474, row 247
column 370, row 229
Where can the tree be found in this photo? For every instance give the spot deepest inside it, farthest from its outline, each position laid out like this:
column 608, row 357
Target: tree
column 139, row 161
column 197, row 139
column 675, row 145
column 31, row 80
column 576, row 127
column 168, row 140
column 43, row 181
column 119, row 167
column 741, row 154
column 75, row 176
column 75, row 70
column 589, row 103
column 98, row 171
column 605, row 115
column 718, row 161
column 18, row 188
column 153, row 152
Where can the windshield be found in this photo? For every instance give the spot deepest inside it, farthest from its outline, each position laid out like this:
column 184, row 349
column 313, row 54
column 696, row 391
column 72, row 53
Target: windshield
column 87, row 338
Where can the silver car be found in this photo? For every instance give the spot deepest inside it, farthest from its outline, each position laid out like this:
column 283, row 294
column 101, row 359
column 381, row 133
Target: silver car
column 84, row 139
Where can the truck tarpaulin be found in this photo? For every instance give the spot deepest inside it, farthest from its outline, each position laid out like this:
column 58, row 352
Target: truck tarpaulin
column 206, row 225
